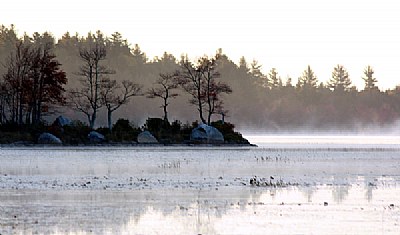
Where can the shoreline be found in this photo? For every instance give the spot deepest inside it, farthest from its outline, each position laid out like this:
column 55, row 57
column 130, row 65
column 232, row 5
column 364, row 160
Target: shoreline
column 17, row 145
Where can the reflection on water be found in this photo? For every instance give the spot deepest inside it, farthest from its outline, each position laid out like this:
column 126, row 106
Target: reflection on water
column 200, row 190
column 299, row 210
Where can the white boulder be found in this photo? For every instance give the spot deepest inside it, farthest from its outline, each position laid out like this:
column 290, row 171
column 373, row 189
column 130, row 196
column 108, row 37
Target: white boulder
column 207, row 134
column 62, row 121
column 47, row 138
column 96, row 137
column 146, row 138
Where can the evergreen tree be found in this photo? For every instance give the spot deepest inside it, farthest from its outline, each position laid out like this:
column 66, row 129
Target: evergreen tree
column 8, row 40
column 308, row 79
column 370, row 81
column 274, row 80
column 243, row 65
column 166, row 63
column 340, row 80
column 138, row 55
column 255, row 71
column 288, row 82
column 118, row 45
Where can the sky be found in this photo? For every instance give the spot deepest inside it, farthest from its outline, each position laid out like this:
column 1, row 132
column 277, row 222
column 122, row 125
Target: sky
column 287, row 34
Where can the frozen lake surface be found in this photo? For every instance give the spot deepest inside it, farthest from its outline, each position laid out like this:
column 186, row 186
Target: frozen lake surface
column 331, row 185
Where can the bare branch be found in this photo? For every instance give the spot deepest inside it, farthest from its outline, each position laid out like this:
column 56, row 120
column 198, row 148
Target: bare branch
column 114, row 95
column 166, row 84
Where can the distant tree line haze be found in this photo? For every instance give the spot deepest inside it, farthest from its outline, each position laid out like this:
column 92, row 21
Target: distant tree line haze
column 97, row 78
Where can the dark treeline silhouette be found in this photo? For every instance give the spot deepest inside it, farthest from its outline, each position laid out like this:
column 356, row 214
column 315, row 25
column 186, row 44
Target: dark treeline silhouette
column 257, row 100
column 33, row 82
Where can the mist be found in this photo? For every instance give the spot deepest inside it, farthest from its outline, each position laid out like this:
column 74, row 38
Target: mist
column 260, row 103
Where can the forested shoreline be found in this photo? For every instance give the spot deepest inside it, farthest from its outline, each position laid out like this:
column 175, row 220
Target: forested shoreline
column 250, row 99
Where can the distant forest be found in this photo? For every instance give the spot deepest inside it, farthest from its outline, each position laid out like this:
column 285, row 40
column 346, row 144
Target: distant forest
column 252, row 99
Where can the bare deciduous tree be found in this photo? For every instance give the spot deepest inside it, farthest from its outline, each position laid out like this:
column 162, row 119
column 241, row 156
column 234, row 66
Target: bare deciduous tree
column 114, row 95
column 18, row 67
column 87, row 98
column 200, row 81
column 212, row 88
column 33, row 82
column 47, row 81
column 166, row 84
column 191, row 80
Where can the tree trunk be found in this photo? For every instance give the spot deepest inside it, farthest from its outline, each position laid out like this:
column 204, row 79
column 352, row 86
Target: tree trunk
column 165, row 109
column 109, row 116
column 201, row 113
column 13, row 118
column 200, row 108
column 93, row 119
column 34, row 111
column 39, row 101
column 28, row 117
column 38, row 112
column 96, row 91
column 91, row 124
column 20, row 110
column 210, row 108
column 209, row 99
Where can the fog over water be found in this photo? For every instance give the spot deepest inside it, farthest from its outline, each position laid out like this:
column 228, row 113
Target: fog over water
column 319, row 184
column 324, row 140
column 314, row 88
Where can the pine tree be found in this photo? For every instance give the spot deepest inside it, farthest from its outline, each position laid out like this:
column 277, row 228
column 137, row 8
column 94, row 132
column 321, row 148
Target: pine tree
column 274, row 80
column 370, row 81
column 243, row 65
column 308, row 79
column 256, row 73
column 138, row 55
column 340, row 80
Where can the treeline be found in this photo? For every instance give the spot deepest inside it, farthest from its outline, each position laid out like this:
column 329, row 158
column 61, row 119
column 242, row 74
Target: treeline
column 247, row 97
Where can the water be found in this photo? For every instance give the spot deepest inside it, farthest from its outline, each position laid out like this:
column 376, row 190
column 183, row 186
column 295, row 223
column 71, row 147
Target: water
column 333, row 185
column 326, row 141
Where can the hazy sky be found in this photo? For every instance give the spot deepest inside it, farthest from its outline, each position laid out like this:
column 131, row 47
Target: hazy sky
column 285, row 34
